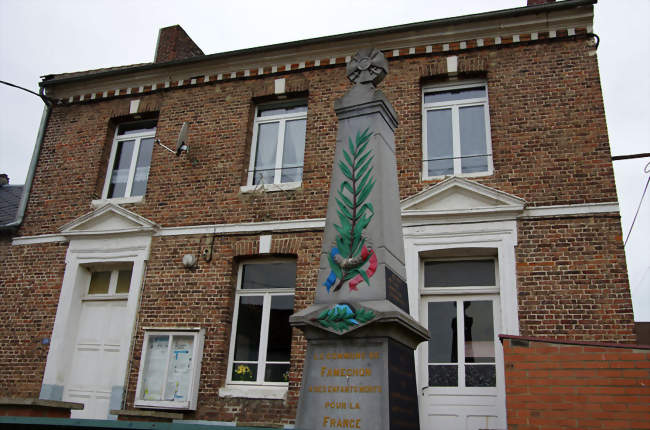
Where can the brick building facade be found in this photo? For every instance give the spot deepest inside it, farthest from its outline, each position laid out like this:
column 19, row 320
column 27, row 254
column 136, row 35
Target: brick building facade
column 538, row 210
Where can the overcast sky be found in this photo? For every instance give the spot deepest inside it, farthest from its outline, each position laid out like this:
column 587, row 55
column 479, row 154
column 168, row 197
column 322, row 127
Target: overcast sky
column 39, row 37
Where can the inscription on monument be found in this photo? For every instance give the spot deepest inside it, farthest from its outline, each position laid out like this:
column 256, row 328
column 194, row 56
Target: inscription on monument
column 344, row 384
column 396, row 290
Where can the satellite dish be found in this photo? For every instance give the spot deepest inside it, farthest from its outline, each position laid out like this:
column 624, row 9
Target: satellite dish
column 181, row 143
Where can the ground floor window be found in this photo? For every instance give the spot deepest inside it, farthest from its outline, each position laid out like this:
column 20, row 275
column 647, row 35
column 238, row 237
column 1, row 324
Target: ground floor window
column 461, row 322
column 461, row 349
column 260, row 344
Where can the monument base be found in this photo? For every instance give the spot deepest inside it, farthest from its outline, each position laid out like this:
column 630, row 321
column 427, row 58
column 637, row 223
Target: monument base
column 358, row 384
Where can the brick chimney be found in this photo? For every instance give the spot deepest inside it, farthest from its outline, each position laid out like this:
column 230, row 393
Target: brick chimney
column 537, row 2
column 175, row 44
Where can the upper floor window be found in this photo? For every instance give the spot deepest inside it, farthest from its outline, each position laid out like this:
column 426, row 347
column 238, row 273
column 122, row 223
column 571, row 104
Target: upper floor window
column 278, row 147
column 260, row 345
column 128, row 166
column 456, row 131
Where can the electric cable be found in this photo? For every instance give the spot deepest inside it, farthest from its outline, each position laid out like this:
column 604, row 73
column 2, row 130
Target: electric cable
column 638, row 207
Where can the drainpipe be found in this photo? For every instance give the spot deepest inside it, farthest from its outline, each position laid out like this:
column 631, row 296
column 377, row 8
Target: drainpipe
column 14, row 225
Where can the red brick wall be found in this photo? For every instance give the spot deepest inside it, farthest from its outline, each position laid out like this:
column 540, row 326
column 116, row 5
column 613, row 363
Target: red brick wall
column 572, row 279
column 549, row 140
column 30, row 281
column 173, row 296
column 567, row 386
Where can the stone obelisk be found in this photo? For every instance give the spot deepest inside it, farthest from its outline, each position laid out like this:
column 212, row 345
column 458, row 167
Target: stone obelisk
column 359, row 368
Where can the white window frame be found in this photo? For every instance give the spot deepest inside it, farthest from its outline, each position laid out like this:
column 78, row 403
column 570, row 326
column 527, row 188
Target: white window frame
column 197, row 355
column 243, row 388
column 127, row 198
column 282, row 120
column 462, row 294
column 454, row 105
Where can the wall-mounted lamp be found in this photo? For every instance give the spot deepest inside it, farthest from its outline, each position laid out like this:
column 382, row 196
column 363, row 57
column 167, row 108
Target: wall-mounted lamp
column 189, row 261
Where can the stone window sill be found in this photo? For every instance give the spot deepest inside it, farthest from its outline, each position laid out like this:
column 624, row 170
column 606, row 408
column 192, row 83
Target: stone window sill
column 98, row 203
column 254, row 392
column 269, row 188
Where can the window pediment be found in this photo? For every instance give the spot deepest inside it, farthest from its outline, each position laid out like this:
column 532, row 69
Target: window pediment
column 109, row 219
column 458, row 196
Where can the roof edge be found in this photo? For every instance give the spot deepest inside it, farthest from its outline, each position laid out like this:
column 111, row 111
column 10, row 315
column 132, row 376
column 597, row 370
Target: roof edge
column 462, row 19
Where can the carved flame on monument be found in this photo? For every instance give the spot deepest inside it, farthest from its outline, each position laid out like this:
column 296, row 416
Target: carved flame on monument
column 359, row 367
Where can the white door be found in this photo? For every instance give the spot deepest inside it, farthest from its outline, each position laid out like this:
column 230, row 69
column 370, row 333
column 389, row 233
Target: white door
column 95, row 370
column 461, row 366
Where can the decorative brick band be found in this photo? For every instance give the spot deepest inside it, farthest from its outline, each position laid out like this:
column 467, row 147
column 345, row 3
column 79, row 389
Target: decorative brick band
column 449, row 47
column 246, row 247
column 285, row 246
column 465, row 65
column 294, row 84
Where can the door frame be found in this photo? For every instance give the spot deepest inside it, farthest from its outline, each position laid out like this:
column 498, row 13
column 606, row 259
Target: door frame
column 83, row 251
column 490, row 238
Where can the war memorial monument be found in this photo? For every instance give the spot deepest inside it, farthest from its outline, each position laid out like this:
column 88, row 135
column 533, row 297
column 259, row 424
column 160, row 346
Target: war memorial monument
column 359, row 370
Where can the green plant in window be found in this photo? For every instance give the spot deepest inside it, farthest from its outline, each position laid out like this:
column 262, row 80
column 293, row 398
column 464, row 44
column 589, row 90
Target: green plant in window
column 243, row 373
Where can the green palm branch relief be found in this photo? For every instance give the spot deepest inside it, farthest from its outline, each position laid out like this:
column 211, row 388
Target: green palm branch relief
column 342, row 317
column 353, row 210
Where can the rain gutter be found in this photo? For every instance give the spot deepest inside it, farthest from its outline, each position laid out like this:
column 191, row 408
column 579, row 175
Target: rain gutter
column 20, row 214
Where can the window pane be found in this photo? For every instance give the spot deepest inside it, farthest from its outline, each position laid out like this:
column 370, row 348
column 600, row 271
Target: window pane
column 443, row 332
column 267, row 141
column 281, row 111
column 439, row 142
column 99, row 283
column 279, row 344
column 294, row 150
column 154, row 367
column 471, row 273
column 244, row 372
column 479, row 332
column 451, row 95
column 180, row 369
column 123, row 282
column 480, row 375
column 269, row 275
column 472, row 139
column 249, row 323
column 137, row 127
column 443, row 376
column 277, row 373
column 142, row 167
column 121, row 166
